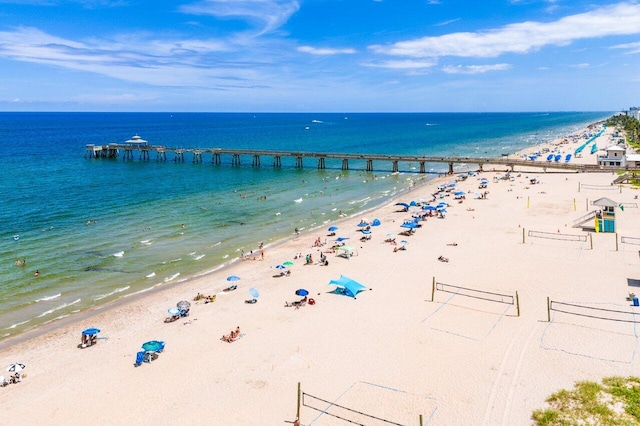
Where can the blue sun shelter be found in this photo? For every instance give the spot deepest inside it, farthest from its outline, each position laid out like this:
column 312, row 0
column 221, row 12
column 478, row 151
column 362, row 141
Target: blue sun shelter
column 347, row 286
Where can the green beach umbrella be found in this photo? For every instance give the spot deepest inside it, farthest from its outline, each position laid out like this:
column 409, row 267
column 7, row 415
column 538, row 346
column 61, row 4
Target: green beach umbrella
column 287, row 263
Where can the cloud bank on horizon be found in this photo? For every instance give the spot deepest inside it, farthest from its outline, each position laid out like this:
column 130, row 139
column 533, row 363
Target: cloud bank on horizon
column 318, row 55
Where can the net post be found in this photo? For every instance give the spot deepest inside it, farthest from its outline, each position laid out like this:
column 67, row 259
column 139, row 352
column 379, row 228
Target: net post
column 586, row 202
column 620, row 186
column 616, row 241
column 517, row 304
column 591, row 240
column 433, row 288
column 522, row 235
column 578, row 186
column 527, row 201
column 574, row 205
column 548, row 310
column 299, row 398
column 421, row 420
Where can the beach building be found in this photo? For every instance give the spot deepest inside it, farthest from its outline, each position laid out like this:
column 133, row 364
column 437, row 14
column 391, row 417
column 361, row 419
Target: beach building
column 614, row 157
column 633, row 161
column 605, row 220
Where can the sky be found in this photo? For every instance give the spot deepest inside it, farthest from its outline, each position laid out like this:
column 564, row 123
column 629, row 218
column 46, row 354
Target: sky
column 319, row 55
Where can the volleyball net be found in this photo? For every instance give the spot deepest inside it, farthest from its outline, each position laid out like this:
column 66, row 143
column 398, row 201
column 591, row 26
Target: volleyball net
column 630, row 240
column 557, row 236
column 599, row 187
column 341, row 412
column 593, row 312
column 474, row 293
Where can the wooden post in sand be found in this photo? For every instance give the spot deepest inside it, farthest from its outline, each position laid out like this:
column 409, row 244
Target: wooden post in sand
column 433, row 288
column 299, row 397
column 574, row 205
column 591, row 240
column 587, row 204
column 616, row 241
column 421, row 420
column 522, row 235
column 548, row 310
column 517, row 304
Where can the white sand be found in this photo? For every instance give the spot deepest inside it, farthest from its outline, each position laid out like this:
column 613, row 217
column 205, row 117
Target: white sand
column 391, row 353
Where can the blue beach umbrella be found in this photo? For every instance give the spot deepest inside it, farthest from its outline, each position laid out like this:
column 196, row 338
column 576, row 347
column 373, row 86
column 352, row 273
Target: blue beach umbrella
column 281, row 267
column 404, row 242
column 301, row 292
column 428, row 208
column 362, row 224
column 254, row 293
column 340, row 239
column 333, row 229
column 409, row 225
column 91, row 331
column 153, row 346
column 233, row 278
column 376, row 222
column 173, row 311
column 459, row 193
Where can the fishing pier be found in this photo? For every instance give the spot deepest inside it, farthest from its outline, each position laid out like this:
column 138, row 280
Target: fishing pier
column 137, row 147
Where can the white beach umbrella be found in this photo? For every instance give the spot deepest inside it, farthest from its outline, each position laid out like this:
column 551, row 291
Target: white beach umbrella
column 16, row 368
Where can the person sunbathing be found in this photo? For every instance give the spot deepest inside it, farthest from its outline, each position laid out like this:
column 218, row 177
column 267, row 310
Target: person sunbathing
column 443, row 259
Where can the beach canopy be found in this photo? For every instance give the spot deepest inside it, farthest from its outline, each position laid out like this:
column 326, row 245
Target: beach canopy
column 349, row 287
column 376, row 222
column 254, row 293
column 405, row 206
column 153, row 346
column 16, row 367
column 91, row 331
column 605, row 202
column 333, row 229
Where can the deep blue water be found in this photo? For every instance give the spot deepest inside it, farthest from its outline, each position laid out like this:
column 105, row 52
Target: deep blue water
column 136, row 210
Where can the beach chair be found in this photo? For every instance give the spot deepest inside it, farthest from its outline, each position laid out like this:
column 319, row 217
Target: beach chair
column 139, row 359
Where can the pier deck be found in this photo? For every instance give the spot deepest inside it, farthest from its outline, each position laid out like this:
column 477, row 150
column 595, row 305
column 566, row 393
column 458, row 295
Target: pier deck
column 254, row 157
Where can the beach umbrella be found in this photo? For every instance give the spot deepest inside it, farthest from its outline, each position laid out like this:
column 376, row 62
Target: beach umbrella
column 287, row 263
column 153, row 346
column 428, row 208
column 376, row 222
column 333, row 229
column 183, row 305
column 412, row 203
column 459, row 193
column 91, row 331
column 254, row 293
column 404, row 242
column 339, row 239
column 405, row 205
column 362, row 224
column 410, row 225
column 366, row 231
column 233, row 278
column 173, row 311
column 281, row 267
column 16, row 368
column 451, row 184
column 301, row 292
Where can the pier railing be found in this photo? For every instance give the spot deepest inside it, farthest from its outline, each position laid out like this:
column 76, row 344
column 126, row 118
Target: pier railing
column 255, row 157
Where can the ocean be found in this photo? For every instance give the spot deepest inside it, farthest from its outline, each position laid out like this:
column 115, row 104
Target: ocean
column 102, row 229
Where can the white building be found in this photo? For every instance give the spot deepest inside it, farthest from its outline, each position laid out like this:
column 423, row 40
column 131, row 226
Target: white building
column 615, row 157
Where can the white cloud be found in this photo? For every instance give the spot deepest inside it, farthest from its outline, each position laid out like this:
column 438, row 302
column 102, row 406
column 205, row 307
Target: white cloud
column 582, row 65
column 324, row 51
column 524, row 37
column 474, row 69
column 632, row 48
column 133, row 58
column 268, row 15
column 408, row 64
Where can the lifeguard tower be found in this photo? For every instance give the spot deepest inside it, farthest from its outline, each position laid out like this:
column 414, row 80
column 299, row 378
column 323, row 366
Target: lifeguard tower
column 605, row 218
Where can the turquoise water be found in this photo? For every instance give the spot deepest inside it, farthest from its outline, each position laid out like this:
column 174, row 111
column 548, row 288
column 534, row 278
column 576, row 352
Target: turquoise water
column 98, row 230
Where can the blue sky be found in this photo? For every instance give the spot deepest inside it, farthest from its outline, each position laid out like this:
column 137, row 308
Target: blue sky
column 319, row 55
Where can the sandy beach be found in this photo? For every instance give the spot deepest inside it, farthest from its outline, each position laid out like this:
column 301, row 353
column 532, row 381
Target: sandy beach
column 391, row 353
